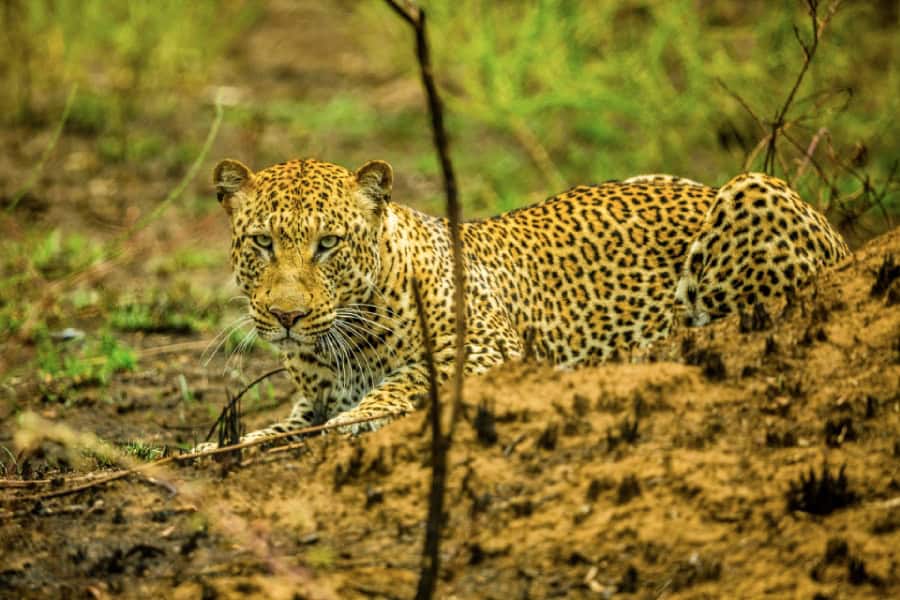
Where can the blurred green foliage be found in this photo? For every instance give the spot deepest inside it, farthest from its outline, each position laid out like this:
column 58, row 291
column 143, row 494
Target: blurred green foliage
column 177, row 308
column 38, row 257
column 551, row 93
column 541, row 95
column 63, row 365
column 128, row 56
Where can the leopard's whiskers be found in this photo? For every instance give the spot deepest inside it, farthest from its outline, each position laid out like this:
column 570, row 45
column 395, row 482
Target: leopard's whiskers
column 350, row 354
column 355, row 323
column 236, row 358
column 352, row 310
column 339, row 329
column 221, row 337
column 339, row 357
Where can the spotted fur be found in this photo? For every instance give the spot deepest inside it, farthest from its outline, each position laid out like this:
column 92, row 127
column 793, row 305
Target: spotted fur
column 758, row 240
column 576, row 279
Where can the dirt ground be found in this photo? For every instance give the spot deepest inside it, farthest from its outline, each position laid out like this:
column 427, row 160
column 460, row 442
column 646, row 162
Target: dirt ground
column 657, row 479
column 758, row 457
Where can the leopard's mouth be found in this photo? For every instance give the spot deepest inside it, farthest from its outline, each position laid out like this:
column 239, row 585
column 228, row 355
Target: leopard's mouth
column 291, row 337
column 305, row 339
column 298, row 336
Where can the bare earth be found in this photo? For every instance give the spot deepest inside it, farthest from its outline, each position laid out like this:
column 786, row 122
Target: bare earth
column 570, row 499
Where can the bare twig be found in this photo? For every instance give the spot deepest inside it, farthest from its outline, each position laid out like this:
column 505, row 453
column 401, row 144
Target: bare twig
column 810, row 151
column 439, row 446
column 415, row 16
column 180, row 458
column 232, row 402
column 743, row 103
column 809, row 51
column 45, row 156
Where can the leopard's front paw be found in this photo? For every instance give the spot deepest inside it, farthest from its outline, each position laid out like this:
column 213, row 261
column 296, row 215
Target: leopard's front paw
column 338, row 425
column 204, row 447
column 345, row 424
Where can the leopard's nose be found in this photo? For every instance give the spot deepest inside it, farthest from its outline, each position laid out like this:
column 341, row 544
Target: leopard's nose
column 288, row 318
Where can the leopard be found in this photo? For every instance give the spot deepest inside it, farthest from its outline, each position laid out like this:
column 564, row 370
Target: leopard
column 331, row 265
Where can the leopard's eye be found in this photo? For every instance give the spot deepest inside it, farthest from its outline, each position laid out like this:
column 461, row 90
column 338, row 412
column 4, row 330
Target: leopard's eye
column 263, row 241
column 327, row 243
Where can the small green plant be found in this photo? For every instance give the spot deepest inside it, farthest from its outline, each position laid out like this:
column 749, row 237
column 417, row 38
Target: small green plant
column 144, row 451
column 187, row 394
column 56, row 254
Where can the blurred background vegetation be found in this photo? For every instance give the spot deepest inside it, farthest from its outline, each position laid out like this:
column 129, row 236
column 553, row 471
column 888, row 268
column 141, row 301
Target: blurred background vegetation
column 106, row 107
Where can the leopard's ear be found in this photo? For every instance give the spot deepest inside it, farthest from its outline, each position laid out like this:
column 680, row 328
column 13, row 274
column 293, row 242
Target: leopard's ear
column 375, row 180
column 229, row 177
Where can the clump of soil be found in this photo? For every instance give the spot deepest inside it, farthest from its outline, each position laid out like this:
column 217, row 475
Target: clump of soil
column 760, row 462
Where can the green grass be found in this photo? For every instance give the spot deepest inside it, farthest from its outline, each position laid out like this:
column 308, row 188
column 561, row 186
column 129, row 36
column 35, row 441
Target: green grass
column 177, row 308
column 64, row 365
column 57, row 255
column 144, row 451
column 189, row 258
column 125, row 54
column 37, row 257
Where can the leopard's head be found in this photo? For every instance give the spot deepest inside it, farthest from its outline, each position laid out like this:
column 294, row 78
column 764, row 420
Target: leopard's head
column 305, row 241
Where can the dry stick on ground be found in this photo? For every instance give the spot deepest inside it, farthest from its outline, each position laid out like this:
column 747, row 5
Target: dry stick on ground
column 228, row 524
column 229, row 406
column 415, row 17
column 180, row 458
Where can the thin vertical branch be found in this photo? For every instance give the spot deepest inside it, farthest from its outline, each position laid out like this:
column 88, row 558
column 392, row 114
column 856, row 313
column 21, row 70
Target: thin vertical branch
column 439, row 444
column 48, row 150
column 809, row 51
column 415, row 17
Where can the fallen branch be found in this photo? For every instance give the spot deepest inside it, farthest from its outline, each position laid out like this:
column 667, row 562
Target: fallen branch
column 179, row 458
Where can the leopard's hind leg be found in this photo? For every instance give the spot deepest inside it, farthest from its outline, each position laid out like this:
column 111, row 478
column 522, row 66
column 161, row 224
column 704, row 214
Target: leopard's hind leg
column 758, row 240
